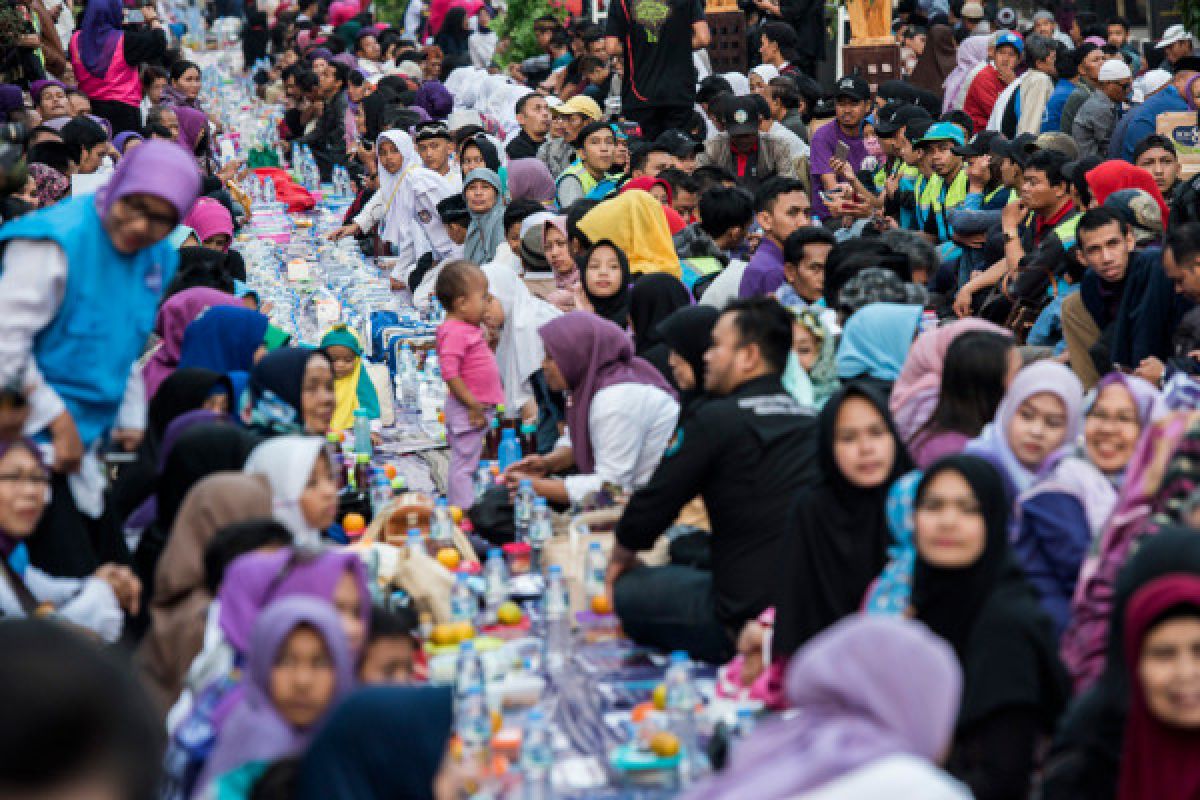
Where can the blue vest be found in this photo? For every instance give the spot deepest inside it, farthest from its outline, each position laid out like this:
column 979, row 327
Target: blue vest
column 107, row 311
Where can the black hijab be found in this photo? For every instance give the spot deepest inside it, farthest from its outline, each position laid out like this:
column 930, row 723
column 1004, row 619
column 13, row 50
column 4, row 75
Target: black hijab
column 652, row 299
column 688, row 332
column 615, row 309
column 839, row 535
column 374, row 105
column 453, row 35
column 1084, row 760
column 487, row 150
column 989, row 614
column 275, row 391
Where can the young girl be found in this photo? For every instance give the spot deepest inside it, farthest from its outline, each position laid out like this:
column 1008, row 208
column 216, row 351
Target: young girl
column 470, row 370
column 352, row 384
column 304, row 494
column 604, row 289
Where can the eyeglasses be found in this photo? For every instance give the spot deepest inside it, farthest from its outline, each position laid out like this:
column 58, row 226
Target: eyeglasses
column 37, row 479
column 1123, row 420
column 159, row 224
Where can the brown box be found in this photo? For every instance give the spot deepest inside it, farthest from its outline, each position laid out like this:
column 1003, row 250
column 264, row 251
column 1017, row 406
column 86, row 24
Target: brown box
column 1181, row 128
column 874, row 62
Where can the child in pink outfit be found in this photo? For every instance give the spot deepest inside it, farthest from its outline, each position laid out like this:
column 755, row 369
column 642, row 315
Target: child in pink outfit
column 470, row 371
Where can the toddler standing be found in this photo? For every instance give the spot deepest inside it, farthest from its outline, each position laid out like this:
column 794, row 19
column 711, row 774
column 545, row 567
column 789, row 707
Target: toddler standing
column 470, row 371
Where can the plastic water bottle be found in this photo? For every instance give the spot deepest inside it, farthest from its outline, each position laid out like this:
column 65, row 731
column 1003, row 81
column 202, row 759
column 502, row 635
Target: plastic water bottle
column 681, row 712
column 407, row 362
column 381, row 492
column 474, row 725
column 495, row 577
column 362, row 432
column 462, row 602
column 416, row 542
column 541, row 526
column 509, row 451
column 537, row 757
column 468, row 675
column 558, row 624
column 269, row 189
column 745, row 722
column 523, row 509
column 594, row 568
column 411, row 390
column 441, row 525
column 483, row 479
column 433, row 370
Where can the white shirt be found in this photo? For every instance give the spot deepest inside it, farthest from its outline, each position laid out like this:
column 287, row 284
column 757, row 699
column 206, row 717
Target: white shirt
column 796, row 146
column 629, row 424
column 898, row 777
column 86, row 602
column 425, row 230
column 724, row 288
column 997, row 117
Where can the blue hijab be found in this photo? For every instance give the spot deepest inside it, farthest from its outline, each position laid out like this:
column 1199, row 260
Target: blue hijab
column 876, row 341
column 382, row 742
column 223, row 339
column 99, row 35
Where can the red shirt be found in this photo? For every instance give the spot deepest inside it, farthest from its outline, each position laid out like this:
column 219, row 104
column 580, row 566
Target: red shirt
column 982, row 94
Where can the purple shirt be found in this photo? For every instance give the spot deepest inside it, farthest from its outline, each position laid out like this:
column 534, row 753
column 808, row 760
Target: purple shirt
column 764, row 273
column 824, row 141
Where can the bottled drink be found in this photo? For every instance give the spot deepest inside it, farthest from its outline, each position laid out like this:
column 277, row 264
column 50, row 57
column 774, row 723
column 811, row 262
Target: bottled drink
column 541, row 526
column 558, row 625
column 362, row 432
column 416, row 542
column 362, row 472
column 411, row 390
column 441, row 526
column 523, row 509
column 407, row 362
column 537, row 757
column 269, row 189
column 462, row 602
column 483, row 479
column 594, row 568
column 681, row 712
column 745, row 722
column 474, row 725
column 528, row 439
column 468, row 672
column 509, row 451
column 495, row 576
column 491, row 440
column 333, row 451
column 381, row 492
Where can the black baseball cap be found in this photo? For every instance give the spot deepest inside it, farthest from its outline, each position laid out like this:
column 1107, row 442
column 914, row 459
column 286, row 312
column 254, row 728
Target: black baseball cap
column 893, row 118
column 679, row 143
column 1019, row 148
column 918, row 127
column 853, row 87
column 741, row 116
column 980, row 145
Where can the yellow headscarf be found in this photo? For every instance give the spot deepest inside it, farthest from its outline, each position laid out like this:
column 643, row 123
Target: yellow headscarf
column 355, row 390
column 635, row 222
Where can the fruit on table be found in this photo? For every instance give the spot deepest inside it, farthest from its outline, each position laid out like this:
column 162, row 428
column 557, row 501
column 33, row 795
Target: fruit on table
column 601, row 605
column 664, row 744
column 444, row 634
column 463, row 631
column 390, row 471
column 509, row 613
column 353, row 523
column 660, row 697
column 449, row 557
column 641, row 711
column 497, row 722
column 456, row 514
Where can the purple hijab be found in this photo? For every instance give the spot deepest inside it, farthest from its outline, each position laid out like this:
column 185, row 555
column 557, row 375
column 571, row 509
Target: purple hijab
column 530, row 179
column 10, row 98
column 192, row 124
column 99, row 35
column 593, row 354
column 255, row 579
column 435, row 99
column 1146, row 398
column 255, row 731
column 173, row 318
column 158, row 168
column 867, row 688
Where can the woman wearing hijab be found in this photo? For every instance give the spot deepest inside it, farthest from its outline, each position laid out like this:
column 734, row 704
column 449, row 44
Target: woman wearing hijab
column 519, row 350
column 291, row 391
column 937, row 61
column 972, row 56
column 1040, row 412
column 483, row 193
column 352, row 385
column 212, row 224
column 1115, row 175
column 620, row 416
column 875, row 343
column 915, row 394
column 651, row 300
column 530, row 179
column 974, row 374
column 688, row 334
column 225, row 339
column 839, row 539
column 876, row 701
column 1064, row 514
column 180, row 598
column 299, row 666
column 50, row 185
column 193, row 133
column 453, row 35
column 478, row 152
column 303, row 492
column 170, row 324
column 353, row 756
column 61, row 268
column 556, row 248
column 968, row 590
column 403, row 209
column 105, row 58
column 662, row 192
column 605, row 281
column 1091, row 750
column 636, row 223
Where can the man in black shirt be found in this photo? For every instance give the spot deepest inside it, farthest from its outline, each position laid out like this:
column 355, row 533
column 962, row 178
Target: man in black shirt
column 746, row 452
column 656, row 39
column 534, row 117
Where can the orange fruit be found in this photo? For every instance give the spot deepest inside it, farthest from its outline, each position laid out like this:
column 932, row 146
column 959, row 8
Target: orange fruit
column 641, row 711
column 449, row 558
column 664, row 744
column 444, row 635
column 390, row 471
column 497, row 722
column 354, row 523
column 600, row 604
column 456, row 747
column 499, row 766
column 509, row 613
column 462, row 631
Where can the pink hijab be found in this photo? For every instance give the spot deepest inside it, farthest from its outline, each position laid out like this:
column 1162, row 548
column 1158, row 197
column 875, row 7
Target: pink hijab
column 174, row 315
column 209, row 218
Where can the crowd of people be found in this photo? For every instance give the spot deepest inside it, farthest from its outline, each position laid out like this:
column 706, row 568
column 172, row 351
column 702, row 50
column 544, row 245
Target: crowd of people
column 899, row 384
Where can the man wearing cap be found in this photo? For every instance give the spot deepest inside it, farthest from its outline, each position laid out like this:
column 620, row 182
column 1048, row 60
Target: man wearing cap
column 972, row 22
column 992, row 180
column 751, row 156
column 896, row 127
column 946, row 189
column 434, row 145
column 1026, row 108
column 1090, row 61
column 990, row 81
column 1144, row 120
column 682, row 147
column 852, row 102
column 568, row 118
column 1044, row 24
column 1176, row 44
column 1093, row 126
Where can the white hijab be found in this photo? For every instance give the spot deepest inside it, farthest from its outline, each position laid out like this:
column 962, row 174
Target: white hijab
column 399, row 191
column 287, row 463
column 520, row 352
